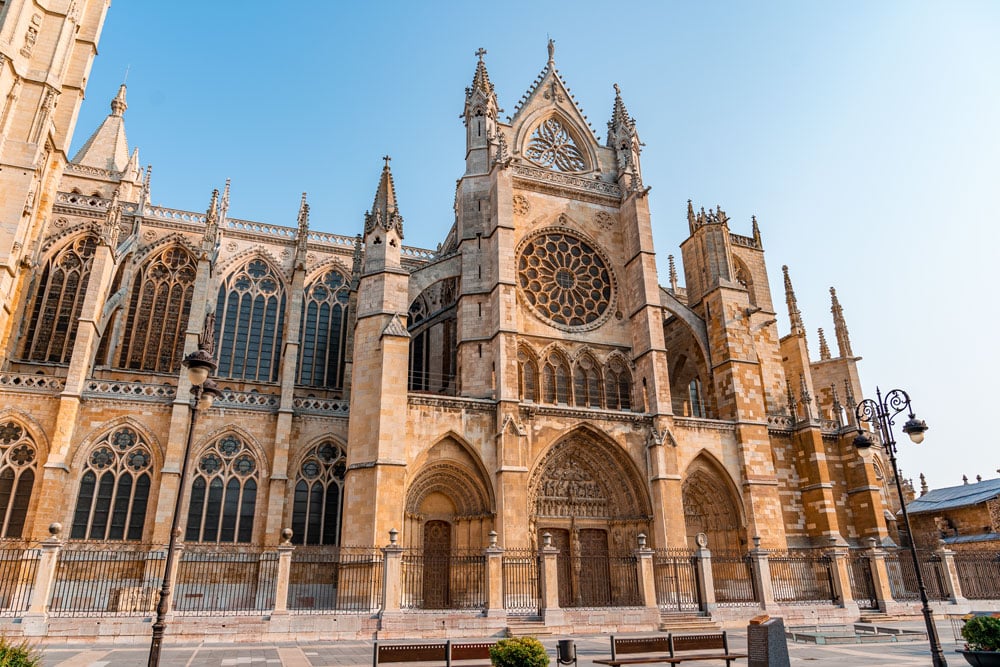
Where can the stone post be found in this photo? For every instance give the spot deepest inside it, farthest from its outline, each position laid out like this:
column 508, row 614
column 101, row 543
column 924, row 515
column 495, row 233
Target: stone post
column 762, row 575
column 551, row 612
column 645, row 573
column 703, row 573
column 392, row 574
column 880, row 575
column 949, row 575
column 841, row 576
column 285, row 550
column 494, row 578
column 36, row 620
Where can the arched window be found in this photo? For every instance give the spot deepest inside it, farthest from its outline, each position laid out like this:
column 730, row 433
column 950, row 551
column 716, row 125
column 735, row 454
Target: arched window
column 527, row 371
column 223, row 493
column 618, row 386
column 319, row 496
column 114, row 489
column 250, row 317
column 587, row 383
column 324, row 331
column 419, row 347
column 158, row 312
column 694, row 396
column 18, row 460
column 58, row 302
column 555, row 380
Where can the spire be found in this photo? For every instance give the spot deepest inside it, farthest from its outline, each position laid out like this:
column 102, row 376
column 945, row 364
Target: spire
column 824, row 349
column 107, row 147
column 840, row 326
column 302, row 237
column 794, row 316
column 384, row 212
column 673, row 273
column 480, row 97
column 623, row 138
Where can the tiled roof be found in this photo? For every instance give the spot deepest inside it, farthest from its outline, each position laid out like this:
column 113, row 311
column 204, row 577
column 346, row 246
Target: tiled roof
column 955, row 496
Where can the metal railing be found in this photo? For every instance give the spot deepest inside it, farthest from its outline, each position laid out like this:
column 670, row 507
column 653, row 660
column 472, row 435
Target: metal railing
column 903, row 578
column 325, row 579
column 801, row 578
column 443, row 580
column 223, row 579
column 18, row 567
column 675, row 578
column 732, row 574
column 522, row 591
column 859, row 568
column 602, row 581
column 98, row 579
column 979, row 574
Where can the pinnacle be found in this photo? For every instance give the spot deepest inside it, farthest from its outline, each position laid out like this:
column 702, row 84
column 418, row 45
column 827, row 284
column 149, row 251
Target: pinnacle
column 118, row 104
column 384, row 211
column 481, row 79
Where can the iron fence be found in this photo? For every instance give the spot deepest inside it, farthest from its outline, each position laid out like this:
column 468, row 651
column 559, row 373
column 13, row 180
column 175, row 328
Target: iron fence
column 323, row 579
column 601, row 581
column 18, row 565
column 903, row 577
column 521, row 582
column 801, row 578
column 675, row 577
column 979, row 574
column 102, row 578
column 859, row 568
column 225, row 579
column 443, row 580
column 732, row 574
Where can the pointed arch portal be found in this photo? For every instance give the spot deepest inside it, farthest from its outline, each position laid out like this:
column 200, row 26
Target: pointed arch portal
column 711, row 507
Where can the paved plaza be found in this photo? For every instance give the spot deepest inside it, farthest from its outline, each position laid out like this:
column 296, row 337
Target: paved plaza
column 359, row 653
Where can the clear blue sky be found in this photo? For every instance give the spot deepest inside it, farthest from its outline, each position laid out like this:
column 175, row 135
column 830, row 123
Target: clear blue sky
column 864, row 136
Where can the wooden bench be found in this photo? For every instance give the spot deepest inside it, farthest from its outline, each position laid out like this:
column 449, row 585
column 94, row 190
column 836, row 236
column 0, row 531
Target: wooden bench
column 441, row 654
column 671, row 650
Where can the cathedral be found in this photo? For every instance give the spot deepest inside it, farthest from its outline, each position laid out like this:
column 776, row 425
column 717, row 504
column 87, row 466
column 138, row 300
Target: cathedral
column 534, row 375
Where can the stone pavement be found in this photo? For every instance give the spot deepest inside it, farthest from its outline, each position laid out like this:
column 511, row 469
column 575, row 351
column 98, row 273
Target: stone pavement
column 359, row 653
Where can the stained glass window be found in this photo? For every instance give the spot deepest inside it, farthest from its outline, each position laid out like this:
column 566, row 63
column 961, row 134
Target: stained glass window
column 18, row 463
column 319, row 496
column 324, row 331
column 249, row 322
column 552, row 146
column 223, row 493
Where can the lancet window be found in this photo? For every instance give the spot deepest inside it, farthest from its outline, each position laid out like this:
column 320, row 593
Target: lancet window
column 527, row 371
column 158, row 312
column 58, row 302
column 319, row 496
column 694, row 397
column 555, row 380
column 587, row 383
column 223, row 493
column 114, row 488
column 419, row 347
column 18, row 464
column 250, row 317
column 324, row 331
column 618, row 386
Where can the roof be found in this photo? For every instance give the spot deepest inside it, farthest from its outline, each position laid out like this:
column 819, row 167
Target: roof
column 955, row 496
column 968, row 539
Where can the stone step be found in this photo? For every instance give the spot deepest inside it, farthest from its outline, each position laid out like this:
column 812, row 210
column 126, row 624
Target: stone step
column 526, row 626
column 688, row 622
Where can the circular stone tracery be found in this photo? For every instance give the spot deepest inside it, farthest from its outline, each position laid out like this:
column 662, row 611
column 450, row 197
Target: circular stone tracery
column 566, row 281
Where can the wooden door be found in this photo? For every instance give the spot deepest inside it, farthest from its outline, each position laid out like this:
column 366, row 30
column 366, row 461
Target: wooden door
column 594, row 578
column 437, row 565
column 564, row 563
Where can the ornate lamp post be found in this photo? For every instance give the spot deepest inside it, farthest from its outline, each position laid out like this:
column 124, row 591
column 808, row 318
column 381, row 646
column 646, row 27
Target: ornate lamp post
column 199, row 365
column 881, row 414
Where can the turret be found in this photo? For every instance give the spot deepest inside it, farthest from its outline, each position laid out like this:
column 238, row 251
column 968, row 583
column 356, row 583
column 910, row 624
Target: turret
column 623, row 138
column 480, row 116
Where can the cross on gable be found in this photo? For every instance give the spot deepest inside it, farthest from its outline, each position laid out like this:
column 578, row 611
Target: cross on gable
column 387, row 160
column 480, row 53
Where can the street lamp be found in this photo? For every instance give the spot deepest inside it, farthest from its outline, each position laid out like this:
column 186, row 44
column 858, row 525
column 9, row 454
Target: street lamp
column 199, row 366
column 881, row 414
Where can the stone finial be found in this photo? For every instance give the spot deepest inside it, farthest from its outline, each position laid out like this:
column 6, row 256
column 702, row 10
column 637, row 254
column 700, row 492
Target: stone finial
column 965, row 479
column 840, row 326
column 824, row 349
column 286, row 536
column 552, row 52
column 838, row 409
column 756, row 541
column 547, row 537
column 692, row 221
column 923, row 485
column 673, row 273
column 55, row 528
column 224, row 202
column 794, row 315
column 642, row 540
column 793, row 406
column 393, row 536
column 492, row 533
column 979, row 478
column 756, row 232
column 118, row 104
column 805, row 396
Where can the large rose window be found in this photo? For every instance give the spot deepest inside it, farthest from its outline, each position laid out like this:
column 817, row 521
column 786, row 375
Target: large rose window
column 566, row 281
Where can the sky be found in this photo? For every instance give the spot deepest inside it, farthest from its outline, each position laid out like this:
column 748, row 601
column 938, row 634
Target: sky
column 864, row 136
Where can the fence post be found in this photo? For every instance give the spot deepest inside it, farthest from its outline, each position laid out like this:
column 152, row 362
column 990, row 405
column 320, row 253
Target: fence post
column 494, row 578
column 841, row 577
column 880, row 575
column 703, row 572
column 551, row 613
column 45, row 576
column 949, row 574
column 392, row 574
column 644, row 571
column 281, row 582
column 762, row 575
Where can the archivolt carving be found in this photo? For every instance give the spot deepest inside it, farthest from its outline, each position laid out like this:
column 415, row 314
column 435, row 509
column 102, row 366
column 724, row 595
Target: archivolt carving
column 710, row 507
column 457, row 482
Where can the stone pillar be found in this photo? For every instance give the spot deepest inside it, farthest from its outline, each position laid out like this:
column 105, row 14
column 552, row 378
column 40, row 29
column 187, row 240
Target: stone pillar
column 392, row 574
column 647, row 578
column 949, row 575
column 551, row 612
column 703, row 571
column 36, row 620
column 841, row 576
column 281, row 582
column 761, row 575
column 880, row 575
column 494, row 578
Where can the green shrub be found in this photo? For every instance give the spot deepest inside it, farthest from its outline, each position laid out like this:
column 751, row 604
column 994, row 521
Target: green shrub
column 18, row 653
column 519, row 652
column 982, row 633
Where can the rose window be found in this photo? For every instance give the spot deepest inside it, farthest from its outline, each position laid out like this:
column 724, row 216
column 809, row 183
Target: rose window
column 551, row 146
column 565, row 280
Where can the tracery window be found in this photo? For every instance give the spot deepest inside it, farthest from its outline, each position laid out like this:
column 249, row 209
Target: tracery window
column 618, row 386
column 552, row 146
column 319, row 496
column 18, row 461
column 527, row 371
column 555, row 380
column 587, row 383
column 58, row 302
column 114, row 489
column 324, row 331
column 250, row 317
column 223, row 493
column 158, row 312
column 419, row 347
